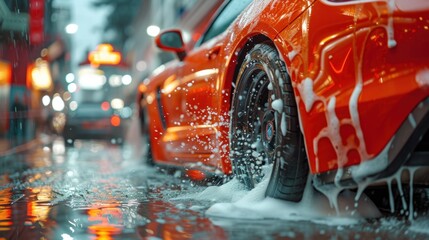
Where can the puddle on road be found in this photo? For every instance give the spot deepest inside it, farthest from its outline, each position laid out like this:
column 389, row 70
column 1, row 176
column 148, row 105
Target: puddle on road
column 94, row 192
column 30, row 214
column 18, row 214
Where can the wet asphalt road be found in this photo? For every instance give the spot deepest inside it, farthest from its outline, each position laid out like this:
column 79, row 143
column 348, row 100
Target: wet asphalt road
column 97, row 190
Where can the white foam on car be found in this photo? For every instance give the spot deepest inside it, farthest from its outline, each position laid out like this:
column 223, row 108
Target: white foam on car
column 335, row 203
column 231, row 200
column 391, row 6
column 389, row 28
column 314, row 207
column 420, row 225
column 277, row 105
column 407, row 207
column 308, row 96
column 332, row 130
column 283, row 125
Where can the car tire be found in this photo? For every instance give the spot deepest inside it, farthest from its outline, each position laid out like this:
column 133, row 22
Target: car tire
column 145, row 136
column 147, row 151
column 265, row 128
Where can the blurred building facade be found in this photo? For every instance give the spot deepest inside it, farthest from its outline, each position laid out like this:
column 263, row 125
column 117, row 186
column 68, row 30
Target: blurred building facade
column 36, row 55
column 28, row 45
column 54, row 52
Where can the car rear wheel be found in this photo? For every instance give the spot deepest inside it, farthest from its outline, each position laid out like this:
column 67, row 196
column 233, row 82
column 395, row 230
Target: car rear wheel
column 265, row 127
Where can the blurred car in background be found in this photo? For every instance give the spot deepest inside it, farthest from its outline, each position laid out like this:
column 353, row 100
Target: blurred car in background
column 94, row 121
column 98, row 108
column 340, row 88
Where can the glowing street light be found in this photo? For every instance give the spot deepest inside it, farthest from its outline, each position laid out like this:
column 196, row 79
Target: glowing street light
column 72, row 28
column 153, row 30
column 46, row 100
column 126, row 79
column 40, row 75
column 72, row 87
column 58, row 103
column 104, row 54
column 70, row 77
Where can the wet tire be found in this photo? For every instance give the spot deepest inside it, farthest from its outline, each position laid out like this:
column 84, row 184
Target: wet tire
column 265, row 126
column 145, row 136
column 147, row 155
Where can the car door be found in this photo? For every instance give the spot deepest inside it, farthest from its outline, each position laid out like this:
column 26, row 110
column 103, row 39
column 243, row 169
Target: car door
column 196, row 131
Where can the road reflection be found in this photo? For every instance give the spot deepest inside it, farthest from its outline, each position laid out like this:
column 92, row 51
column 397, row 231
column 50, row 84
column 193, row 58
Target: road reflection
column 5, row 211
column 102, row 191
column 105, row 222
column 168, row 221
column 92, row 191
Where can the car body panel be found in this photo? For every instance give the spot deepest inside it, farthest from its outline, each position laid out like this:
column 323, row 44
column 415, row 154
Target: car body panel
column 344, row 71
column 356, row 68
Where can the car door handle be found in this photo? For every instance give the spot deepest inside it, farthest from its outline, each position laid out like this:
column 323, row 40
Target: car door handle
column 212, row 54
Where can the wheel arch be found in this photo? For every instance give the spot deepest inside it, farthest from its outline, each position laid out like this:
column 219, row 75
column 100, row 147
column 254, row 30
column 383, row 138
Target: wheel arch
column 242, row 49
column 230, row 79
column 235, row 63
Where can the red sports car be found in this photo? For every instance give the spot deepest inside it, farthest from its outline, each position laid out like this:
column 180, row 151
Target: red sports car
column 339, row 88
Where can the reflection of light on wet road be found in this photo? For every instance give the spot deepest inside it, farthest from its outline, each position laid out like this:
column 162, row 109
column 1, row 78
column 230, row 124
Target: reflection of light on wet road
column 58, row 147
column 87, row 182
column 5, row 211
column 164, row 222
column 38, row 209
column 96, row 190
column 105, row 222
